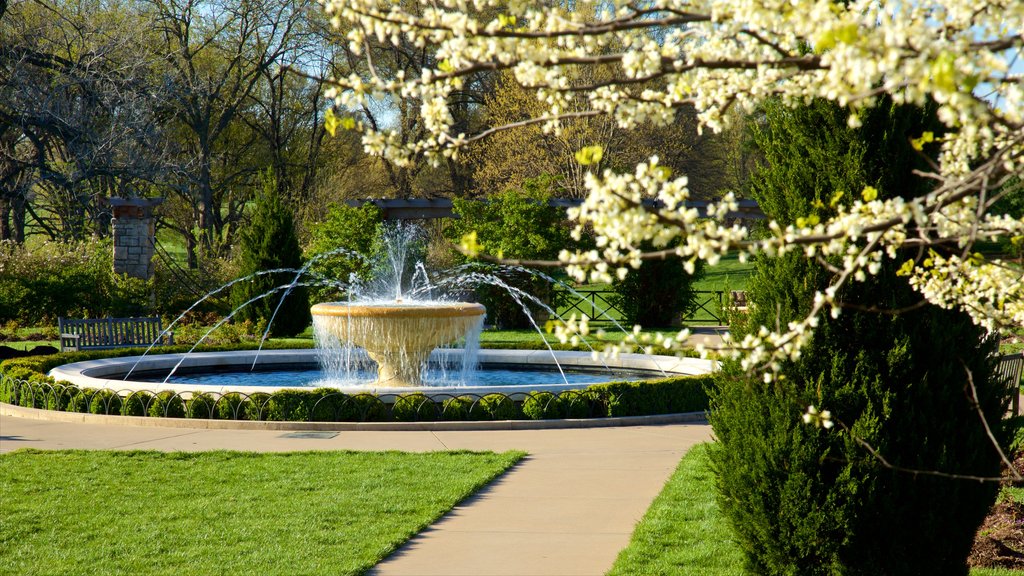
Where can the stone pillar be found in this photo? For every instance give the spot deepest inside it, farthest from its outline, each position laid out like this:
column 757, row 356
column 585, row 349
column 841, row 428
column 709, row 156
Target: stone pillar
column 134, row 235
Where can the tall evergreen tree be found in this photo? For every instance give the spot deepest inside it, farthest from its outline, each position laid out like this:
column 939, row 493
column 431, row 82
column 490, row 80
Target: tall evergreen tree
column 807, row 500
column 270, row 242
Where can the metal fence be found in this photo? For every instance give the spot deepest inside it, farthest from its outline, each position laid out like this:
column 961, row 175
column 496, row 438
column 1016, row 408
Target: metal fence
column 710, row 306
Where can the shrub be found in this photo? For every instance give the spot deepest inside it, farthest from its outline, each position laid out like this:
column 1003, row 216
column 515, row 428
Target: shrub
column 666, row 396
column 576, row 403
column 362, row 408
column 201, row 405
column 413, row 407
column 540, row 406
column 256, row 406
column 806, row 500
column 81, row 401
column 59, row 396
column 269, row 242
column 290, row 405
column 328, row 406
column 456, row 409
column 495, row 407
column 167, row 404
column 136, row 404
column 41, row 282
column 105, row 402
column 658, row 293
column 231, row 406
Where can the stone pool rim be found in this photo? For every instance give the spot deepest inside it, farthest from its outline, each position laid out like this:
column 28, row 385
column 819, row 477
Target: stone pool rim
column 100, row 373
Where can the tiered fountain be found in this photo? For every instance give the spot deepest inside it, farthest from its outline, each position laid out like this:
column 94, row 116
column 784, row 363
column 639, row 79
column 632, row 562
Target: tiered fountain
column 398, row 336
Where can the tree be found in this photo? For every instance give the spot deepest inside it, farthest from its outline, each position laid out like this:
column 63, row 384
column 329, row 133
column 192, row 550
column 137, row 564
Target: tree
column 509, row 157
column 720, row 58
column 518, row 223
column 268, row 243
column 802, row 500
column 659, row 293
column 77, row 124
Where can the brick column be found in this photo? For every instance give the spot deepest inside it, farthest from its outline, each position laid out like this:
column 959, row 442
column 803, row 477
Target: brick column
column 133, row 230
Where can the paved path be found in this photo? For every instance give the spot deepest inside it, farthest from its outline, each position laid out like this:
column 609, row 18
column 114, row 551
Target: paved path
column 566, row 510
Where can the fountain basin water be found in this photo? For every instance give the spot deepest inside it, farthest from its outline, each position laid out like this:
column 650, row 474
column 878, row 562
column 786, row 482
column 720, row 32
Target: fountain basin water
column 398, row 336
column 110, row 373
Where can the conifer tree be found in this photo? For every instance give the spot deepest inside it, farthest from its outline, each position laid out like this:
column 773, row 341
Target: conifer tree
column 805, row 499
column 270, row 242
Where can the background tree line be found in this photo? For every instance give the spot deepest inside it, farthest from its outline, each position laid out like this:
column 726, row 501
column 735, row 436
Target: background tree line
column 191, row 100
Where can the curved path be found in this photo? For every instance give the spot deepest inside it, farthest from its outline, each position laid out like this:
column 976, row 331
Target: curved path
column 565, row 510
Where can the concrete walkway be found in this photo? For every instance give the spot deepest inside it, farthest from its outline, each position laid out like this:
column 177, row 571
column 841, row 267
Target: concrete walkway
column 566, row 510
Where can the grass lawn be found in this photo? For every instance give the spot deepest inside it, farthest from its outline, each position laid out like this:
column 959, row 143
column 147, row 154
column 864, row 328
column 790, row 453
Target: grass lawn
column 683, row 532
column 138, row 513
column 728, row 274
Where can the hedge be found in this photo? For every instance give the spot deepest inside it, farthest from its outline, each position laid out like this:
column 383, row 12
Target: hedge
column 23, row 382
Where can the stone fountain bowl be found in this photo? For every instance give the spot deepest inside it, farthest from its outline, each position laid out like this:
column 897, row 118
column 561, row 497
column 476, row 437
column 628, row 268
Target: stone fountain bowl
column 398, row 336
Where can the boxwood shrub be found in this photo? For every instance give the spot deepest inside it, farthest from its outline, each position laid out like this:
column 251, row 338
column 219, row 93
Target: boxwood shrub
column 167, row 404
column 201, row 405
column 136, row 404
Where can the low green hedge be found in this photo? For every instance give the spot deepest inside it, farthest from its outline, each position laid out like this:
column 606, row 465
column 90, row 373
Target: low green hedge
column 23, row 382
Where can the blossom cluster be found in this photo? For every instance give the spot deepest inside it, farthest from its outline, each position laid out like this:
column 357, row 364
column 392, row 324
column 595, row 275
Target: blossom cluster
column 725, row 55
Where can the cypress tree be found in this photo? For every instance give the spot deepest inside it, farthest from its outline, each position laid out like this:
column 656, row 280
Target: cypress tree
column 270, row 242
column 806, row 500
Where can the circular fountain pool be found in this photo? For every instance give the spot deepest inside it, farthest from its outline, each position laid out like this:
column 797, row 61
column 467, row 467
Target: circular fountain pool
column 537, row 371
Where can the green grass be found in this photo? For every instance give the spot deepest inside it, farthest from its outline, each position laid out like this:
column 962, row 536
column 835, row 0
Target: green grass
column 684, row 532
column 139, row 513
column 531, row 340
column 728, row 274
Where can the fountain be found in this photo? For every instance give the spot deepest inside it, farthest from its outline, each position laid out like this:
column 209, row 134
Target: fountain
column 398, row 336
column 385, row 339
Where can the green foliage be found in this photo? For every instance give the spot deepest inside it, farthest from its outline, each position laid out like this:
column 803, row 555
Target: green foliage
column 40, row 283
column 81, row 401
column 806, row 500
column 657, row 293
column 201, row 405
column 327, row 405
column 136, row 404
column 231, row 406
column 362, row 408
column 413, row 407
column 353, row 229
column 167, row 404
column 540, row 406
column 567, row 404
column 105, row 402
column 516, row 223
column 270, row 242
column 495, row 407
column 256, row 406
column 226, row 334
column 666, row 396
column 456, row 409
column 290, row 405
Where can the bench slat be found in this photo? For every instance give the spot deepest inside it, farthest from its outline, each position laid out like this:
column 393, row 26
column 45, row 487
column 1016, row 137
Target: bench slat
column 100, row 333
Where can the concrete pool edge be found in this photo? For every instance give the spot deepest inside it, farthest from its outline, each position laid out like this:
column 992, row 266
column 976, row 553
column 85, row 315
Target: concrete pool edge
column 95, row 373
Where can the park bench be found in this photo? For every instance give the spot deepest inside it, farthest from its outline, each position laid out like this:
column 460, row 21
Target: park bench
column 1009, row 369
column 105, row 333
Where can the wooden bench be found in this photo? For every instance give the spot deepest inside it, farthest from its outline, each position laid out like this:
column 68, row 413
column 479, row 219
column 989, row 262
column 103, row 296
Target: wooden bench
column 738, row 300
column 1009, row 369
column 106, row 333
